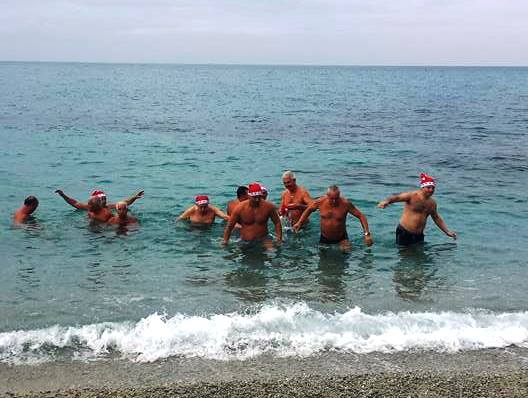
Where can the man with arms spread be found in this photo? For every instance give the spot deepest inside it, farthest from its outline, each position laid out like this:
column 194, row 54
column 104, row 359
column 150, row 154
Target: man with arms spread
column 122, row 218
column 253, row 216
column 418, row 206
column 295, row 199
column 97, row 207
column 202, row 213
column 242, row 195
column 333, row 209
column 24, row 213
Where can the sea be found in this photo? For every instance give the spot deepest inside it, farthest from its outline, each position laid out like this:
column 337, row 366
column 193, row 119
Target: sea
column 73, row 291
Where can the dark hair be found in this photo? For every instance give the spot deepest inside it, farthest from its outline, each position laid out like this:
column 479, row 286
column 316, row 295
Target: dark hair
column 31, row 201
column 242, row 191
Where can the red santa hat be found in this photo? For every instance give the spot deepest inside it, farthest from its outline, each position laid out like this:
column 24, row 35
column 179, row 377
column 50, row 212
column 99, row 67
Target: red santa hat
column 255, row 189
column 426, row 181
column 201, row 200
column 98, row 194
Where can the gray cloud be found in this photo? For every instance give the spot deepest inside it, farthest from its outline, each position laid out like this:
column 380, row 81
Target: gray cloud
column 462, row 32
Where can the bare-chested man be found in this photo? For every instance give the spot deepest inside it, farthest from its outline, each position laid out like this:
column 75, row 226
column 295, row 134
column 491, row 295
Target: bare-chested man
column 202, row 213
column 418, row 206
column 122, row 218
column 295, row 199
column 253, row 216
column 24, row 213
column 333, row 209
column 97, row 207
column 242, row 195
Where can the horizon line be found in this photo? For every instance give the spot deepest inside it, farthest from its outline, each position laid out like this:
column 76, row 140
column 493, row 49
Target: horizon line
column 270, row 64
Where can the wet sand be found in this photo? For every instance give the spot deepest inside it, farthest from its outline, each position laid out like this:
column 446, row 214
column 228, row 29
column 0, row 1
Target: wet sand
column 489, row 373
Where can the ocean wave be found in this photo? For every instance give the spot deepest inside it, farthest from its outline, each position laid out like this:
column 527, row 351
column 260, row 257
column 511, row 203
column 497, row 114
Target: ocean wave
column 280, row 330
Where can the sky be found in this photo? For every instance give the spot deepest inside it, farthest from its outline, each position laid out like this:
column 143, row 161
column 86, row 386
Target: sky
column 330, row 32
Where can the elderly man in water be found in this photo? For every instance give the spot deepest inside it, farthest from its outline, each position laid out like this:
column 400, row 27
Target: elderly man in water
column 419, row 205
column 96, row 206
column 24, row 213
column 122, row 218
column 333, row 209
column 202, row 212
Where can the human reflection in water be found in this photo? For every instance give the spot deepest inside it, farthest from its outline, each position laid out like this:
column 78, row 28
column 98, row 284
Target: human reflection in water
column 248, row 281
column 415, row 269
column 331, row 271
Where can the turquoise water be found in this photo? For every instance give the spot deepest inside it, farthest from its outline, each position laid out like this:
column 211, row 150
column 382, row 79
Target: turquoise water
column 177, row 131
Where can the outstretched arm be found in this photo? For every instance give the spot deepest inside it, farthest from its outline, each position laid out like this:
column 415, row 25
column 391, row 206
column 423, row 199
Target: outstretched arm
column 219, row 213
column 71, row 201
column 364, row 223
column 442, row 225
column 186, row 214
column 130, row 200
column 278, row 226
column 401, row 197
column 306, row 213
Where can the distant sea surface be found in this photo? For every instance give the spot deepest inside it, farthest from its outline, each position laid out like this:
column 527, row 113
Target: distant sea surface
column 69, row 290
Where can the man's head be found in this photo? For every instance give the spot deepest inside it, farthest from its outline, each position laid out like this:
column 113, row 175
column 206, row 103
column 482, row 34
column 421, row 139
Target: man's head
column 242, row 193
column 333, row 194
column 264, row 192
column 95, row 204
column 427, row 184
column 122, row 209
column 31, row 203
column 202, row 202
column 255, row 193
column 101, row 195
column 289, row 180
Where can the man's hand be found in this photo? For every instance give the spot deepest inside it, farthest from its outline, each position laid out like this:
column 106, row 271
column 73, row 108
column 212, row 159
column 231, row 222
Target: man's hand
column 297, row 227
column 368, row 240
column 139, row 194
column 383, row 204
column 452, row 234
column 59, row 191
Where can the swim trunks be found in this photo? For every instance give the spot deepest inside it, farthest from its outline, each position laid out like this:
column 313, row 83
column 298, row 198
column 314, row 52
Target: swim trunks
column 327, row 241
column 406, row 238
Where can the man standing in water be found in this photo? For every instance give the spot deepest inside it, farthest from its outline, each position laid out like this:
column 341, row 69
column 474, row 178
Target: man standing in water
column 253, row 216
column 418, row 206
column 202, row 213
column 122, row 218
column 97, row 207
column 295, row 199
column 333, row 210
column 24, row 213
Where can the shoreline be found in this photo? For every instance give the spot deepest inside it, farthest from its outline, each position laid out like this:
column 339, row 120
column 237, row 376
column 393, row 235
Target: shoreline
column 485, row 373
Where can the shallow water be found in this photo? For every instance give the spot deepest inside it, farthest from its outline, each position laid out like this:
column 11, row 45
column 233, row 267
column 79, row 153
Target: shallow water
column 177, row 131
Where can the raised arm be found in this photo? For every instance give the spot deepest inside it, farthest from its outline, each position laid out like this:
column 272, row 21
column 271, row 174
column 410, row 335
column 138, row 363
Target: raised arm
column 187, row 213
column 306, row 213
column 219, row 213
column 278, row 226
column 364, row 223
column 401, row 197
column 130, row 200
column 441, row 224
column 71, row 201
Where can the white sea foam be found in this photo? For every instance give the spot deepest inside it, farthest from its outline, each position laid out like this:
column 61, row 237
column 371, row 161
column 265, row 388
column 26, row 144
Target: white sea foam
column 275, row 329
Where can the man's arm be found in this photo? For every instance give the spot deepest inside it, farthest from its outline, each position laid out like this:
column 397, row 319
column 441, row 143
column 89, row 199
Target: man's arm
column 71, row 201
column 278, row 226
column 186, row 214
column 441, row 224
column 401, row 197
column 233, row 219
column 306, row 213
column 364, row 223
column 219, row 213
column 133, row 198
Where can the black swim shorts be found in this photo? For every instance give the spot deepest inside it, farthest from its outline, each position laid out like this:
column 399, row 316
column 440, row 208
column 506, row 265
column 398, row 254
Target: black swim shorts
column 327, row 241
column 406, row 238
